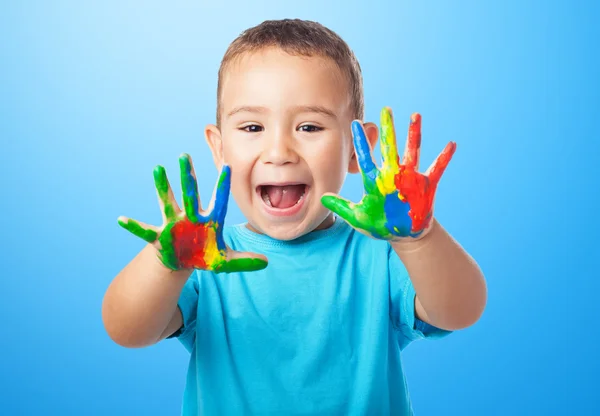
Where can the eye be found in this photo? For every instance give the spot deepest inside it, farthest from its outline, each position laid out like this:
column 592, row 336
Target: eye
column 252, row 128
column 309, row 128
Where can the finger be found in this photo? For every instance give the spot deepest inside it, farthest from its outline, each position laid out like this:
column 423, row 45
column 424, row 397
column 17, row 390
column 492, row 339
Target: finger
column 221, row 195
column 165, row 195
column 413, row 143
column 144, row 231
column 342, row 207
column 437, row 168
column 191, row 198
column 389, row 148
column 363, row 154
column 238, row 261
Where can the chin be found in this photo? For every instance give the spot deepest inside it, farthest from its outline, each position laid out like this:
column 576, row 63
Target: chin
column 288, row 228
column 284, row 231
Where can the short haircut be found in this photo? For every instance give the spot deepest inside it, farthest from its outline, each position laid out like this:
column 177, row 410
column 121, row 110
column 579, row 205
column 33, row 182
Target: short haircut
column 298, row 37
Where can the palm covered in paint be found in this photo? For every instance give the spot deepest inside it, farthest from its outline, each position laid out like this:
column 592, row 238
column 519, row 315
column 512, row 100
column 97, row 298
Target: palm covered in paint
column 398, row 200
column 193, row 239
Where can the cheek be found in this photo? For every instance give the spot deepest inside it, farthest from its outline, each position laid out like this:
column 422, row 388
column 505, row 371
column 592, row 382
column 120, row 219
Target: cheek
column 241, row 163
column 330, row 168
column 237, row 155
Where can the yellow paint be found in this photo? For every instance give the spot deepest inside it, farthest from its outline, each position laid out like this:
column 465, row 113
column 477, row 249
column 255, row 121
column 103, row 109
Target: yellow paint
column 389, row 153
column 212, row 256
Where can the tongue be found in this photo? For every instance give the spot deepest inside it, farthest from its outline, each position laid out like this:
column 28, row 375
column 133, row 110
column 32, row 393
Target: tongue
column 284, row 196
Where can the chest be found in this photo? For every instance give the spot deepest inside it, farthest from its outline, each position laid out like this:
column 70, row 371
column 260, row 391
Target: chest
column 296, row 299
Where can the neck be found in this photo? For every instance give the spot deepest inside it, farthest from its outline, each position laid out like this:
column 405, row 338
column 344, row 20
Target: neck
column 326, row 223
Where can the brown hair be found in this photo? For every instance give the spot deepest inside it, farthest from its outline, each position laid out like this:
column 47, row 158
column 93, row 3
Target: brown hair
column 298, row 37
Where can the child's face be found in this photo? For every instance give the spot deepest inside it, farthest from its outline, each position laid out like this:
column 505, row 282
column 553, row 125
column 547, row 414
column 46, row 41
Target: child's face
column 285, row 132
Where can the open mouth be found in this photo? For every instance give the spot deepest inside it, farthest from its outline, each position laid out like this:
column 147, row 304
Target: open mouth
column 283, row 197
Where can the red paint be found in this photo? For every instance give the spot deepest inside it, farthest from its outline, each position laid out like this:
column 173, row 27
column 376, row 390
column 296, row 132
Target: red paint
column 439, row 166
column 415, row 188
column 413, row 142
column 189, row 240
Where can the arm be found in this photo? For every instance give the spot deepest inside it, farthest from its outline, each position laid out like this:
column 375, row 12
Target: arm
column 140, row 305
column 451, row 290
column 398, row 207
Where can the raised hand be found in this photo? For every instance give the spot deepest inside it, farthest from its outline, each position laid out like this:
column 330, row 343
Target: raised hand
column 193, row 239
column 398, row 200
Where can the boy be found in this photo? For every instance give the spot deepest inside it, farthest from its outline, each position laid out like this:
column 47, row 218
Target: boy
column 317, row 330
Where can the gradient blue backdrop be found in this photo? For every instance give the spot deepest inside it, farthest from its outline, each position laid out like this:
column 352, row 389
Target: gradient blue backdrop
column 93, row 96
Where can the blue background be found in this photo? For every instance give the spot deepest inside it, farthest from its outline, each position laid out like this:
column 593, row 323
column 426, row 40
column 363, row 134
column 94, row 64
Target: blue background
column 93, row 96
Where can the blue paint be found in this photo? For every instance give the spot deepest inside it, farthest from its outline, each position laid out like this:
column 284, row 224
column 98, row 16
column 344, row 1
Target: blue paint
column 189, row 188
column 221, row 201
column 396, row 215
column 363, row 154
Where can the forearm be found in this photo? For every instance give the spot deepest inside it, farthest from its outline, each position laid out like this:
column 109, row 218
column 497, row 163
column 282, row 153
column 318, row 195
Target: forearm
column 449, row 284
column 142, row 300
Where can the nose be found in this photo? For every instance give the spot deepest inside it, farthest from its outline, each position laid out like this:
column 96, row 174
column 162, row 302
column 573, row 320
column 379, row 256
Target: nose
column 279, row 149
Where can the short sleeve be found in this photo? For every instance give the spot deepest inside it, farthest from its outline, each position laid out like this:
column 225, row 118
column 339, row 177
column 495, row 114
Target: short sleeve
column 188, row 305
column 402, row 306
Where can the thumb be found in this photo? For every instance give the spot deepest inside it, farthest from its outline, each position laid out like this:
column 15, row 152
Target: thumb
column 345, row 209
column 242, row 261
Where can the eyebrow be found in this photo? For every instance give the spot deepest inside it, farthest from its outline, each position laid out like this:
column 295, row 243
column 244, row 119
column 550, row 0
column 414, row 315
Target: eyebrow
column 247, row 109
column 298, row 109
column 315, row 109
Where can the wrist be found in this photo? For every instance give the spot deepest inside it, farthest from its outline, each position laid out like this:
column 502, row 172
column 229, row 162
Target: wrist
column 411, row 244
column 165, row 270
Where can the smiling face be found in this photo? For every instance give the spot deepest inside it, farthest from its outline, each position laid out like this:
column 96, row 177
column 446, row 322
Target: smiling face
column 285, row 132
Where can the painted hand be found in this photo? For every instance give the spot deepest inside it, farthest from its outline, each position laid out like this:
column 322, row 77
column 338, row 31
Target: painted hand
column 398, row 200
column 193, row 239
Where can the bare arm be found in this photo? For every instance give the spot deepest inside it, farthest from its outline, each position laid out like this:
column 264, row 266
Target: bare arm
column 140, row 305
column 450, row 287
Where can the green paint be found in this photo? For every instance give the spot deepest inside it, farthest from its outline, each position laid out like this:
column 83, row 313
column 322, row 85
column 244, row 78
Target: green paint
column 222, row 195
column 189, row 187
column 241, row 265
column 167, row 251
column 222, row 177
column 136, row 229
column 368, row 215
column 397, row 200
column 167, row 254
column 162, row 187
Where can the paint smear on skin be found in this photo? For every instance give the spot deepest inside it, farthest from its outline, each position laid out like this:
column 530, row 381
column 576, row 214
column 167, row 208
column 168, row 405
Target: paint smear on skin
column 398, row 219
column 415, row 190
column 369, row 216
column 191, row 245
column 194, row 245
column 368, row 168
column 389, row 153
column 419, row 190
column 398, row 200
column 189, row 188
column 413, row 143
column 136, row 229
column 162, row 188
column 195, row 241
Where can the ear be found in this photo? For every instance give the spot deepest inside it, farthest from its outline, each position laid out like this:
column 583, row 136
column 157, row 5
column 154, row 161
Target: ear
column 212, row 134
column 372, row 133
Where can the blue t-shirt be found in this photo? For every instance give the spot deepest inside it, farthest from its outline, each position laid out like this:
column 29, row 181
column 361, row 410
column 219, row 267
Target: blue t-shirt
column 318, row 332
